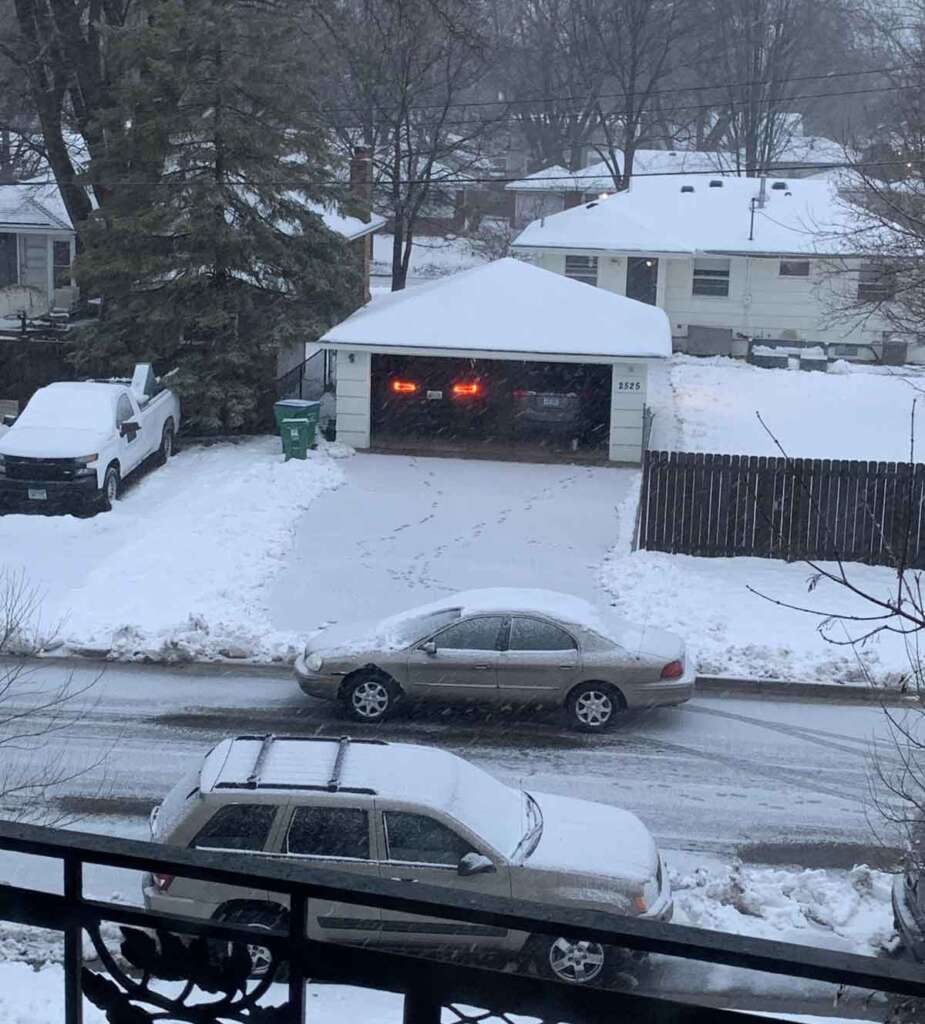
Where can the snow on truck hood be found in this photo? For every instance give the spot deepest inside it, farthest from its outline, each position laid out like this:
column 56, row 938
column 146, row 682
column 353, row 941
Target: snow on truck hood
column 585, row 838
column 51, row 442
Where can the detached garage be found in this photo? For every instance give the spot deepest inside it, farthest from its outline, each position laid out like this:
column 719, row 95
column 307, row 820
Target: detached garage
column 505, row 360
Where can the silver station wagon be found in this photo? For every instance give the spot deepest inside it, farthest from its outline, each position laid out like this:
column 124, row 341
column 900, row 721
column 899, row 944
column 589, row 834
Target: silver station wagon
column 414, row 814
column 499, row 646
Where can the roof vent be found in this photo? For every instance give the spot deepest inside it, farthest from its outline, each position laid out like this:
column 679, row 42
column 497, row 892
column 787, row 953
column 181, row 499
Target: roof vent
column 779, row 186
column 716, row 183
column 687, row 188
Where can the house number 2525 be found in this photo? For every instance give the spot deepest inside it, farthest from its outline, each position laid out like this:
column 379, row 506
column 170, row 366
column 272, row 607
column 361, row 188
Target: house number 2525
column 629, row 385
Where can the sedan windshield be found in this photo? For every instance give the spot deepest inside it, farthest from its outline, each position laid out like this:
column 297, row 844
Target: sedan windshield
column 407, row 629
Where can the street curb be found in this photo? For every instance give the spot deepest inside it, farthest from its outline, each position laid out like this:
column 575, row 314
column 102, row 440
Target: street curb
column 707, row 686
column 836, row 693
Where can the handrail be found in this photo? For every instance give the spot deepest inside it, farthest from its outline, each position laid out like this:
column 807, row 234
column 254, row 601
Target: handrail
column 297, row 880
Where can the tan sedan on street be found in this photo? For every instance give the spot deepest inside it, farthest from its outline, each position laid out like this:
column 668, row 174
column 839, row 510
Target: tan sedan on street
column 499, row 646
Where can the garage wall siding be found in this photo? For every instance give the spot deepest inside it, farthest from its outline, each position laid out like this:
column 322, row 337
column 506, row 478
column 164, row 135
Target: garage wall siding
column 353, row 398
column 627, row 402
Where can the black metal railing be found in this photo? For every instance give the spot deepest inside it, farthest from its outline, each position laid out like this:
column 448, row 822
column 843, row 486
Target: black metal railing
column 201, row 989
column 310, row 379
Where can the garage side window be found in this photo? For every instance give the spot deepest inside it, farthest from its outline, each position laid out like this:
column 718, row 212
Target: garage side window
column 538, row 635
column 479, row 634
column 581, row 268
column 416, row 839
column 237, row 827
column 341, row 833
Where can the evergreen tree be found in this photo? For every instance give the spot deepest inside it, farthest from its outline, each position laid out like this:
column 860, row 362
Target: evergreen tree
column 208, row 255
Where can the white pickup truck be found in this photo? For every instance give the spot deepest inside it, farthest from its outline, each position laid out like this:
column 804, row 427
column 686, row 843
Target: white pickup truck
column 74, row 443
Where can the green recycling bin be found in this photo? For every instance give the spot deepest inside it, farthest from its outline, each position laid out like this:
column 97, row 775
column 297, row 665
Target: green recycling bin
column 301, row 411
column 297, row 436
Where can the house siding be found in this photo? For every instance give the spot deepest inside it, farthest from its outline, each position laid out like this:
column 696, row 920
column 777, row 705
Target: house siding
column 354, row 389
column 760, row 304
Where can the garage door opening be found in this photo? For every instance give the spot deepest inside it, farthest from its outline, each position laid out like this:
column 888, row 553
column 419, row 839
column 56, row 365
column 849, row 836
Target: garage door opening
column 491, row 408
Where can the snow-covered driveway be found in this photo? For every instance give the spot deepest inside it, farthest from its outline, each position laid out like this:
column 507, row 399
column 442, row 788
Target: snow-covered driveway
column 405, row 530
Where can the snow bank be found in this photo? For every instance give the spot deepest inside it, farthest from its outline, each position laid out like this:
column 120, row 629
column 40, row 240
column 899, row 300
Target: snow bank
column 731, row 631
column 835, row 910
column 179, row 570
column 843, row 415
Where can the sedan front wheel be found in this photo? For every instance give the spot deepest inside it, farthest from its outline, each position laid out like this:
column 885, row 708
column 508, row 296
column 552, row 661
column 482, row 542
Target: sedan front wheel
column 368, row 697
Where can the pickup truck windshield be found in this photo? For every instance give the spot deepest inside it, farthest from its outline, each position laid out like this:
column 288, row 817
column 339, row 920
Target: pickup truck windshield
column 69, row 408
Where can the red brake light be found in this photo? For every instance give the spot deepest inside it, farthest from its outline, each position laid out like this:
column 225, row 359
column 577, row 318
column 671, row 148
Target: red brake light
column 404, row 387
column 162, row 882
column 673, row 670
column 466, row 388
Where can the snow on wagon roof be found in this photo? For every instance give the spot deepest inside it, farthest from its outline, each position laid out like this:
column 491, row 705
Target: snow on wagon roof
column 508, row 307
column 391, row 771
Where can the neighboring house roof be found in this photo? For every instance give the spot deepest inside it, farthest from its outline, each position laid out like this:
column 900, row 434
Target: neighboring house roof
column 656, row 215
column 33, row 205
column 507, row 308
column 349, row 227
column 597, row 177
column 812, row 150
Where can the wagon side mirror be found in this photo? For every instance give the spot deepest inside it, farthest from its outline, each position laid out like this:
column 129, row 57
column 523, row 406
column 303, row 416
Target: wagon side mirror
column 429, row 647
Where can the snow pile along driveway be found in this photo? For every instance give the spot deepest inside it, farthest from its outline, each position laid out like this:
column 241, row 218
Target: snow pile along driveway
column 180, row 568
column 836, row 910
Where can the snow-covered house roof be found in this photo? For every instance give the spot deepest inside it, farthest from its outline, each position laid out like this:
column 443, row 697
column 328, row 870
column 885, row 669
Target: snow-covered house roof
column 691, row 215
column 342, row 224
column 597, row 177
column 507, row 309
column 33, row 206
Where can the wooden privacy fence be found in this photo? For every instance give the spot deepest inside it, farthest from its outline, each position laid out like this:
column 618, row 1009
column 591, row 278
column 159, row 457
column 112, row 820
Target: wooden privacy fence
column 769, row 507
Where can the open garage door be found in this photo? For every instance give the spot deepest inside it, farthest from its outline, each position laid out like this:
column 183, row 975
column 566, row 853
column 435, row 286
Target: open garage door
column 491, row 408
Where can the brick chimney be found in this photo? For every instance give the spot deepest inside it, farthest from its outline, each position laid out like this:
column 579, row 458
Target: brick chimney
column 361, row 183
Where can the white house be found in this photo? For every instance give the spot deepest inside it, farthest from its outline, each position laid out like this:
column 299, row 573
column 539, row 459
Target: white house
column 496, row 324
column 36, row 251
column 728, row 259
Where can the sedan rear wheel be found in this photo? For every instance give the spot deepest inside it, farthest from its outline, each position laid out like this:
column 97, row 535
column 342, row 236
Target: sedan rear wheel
column 369, row 697
column 593, row 706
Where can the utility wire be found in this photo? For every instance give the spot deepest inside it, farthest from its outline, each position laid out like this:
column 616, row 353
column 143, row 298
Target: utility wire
column 659, row 92
column 778, row 172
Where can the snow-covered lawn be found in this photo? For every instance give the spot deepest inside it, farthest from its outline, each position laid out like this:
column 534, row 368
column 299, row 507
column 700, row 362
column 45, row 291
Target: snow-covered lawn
column 430, row 258
column 180, row 568
column 732, row 631
column 712, row 405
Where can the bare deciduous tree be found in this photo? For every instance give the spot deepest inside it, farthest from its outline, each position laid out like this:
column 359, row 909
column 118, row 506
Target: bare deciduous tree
column 32, row 714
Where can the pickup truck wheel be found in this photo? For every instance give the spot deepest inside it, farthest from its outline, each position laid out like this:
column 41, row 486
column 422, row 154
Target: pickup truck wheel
column 111, row 486
column 166, row 449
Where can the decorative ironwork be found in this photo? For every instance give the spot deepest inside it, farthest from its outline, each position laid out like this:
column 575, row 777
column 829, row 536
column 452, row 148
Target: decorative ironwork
column 166, row 957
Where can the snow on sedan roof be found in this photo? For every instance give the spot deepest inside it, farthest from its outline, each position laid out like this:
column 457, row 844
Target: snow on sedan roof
column 508, row 307
column 420, row 775
column 658, row 215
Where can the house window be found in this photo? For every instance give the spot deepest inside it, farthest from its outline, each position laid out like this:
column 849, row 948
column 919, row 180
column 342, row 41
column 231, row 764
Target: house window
column 581, row 268
column 711, row 277
column 9, row 273
column 794, row 268
column 876, row 283
column 62, row 264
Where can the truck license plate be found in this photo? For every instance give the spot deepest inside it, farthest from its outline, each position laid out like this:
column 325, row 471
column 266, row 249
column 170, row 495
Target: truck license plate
column 551, row 400
column 38, row 494
column 431, row 395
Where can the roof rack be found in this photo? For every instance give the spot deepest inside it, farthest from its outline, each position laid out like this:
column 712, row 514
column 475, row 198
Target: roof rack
column 334, row 780
column 253, row 780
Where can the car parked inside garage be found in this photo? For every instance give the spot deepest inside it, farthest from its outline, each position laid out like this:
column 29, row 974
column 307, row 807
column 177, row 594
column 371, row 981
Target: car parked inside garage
column 499, row 646
column 412, row 814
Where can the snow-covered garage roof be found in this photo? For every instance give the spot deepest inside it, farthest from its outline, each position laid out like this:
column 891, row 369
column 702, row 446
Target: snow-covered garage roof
column 33, row 206
column 687, row 215
column 504, row 309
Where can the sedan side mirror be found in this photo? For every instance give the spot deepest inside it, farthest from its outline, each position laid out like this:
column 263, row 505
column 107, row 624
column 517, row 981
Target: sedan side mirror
column 429, row 647
column 474, row 864
column 129, row 428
